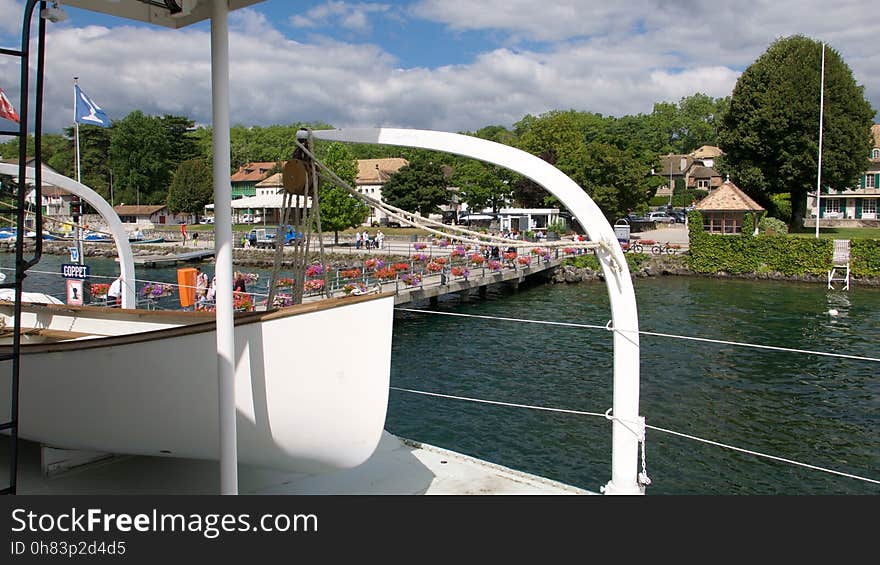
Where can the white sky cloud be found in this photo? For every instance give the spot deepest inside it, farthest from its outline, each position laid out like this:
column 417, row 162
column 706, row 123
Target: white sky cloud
column 10, row 16
column 612, row 59
column 352, row 16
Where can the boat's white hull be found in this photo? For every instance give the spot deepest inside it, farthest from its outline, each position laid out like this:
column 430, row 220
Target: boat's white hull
column 311, row 388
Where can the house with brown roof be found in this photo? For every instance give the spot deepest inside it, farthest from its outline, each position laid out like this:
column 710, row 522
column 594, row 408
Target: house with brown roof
column 724, row 209
column 244, row 180
column 54, row 201
column 372, row 174
column 694, row 170
column 266, row 206
column 147, row 216
column 853, row 206
column 707, row 154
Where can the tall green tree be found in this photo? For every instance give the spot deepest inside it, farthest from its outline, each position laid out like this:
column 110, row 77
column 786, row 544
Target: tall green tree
column 339, row 209
column 191, row 188
column 770, row 134
column 144, row 153
column 481, row 185
column 94, row 159
column 418, row 187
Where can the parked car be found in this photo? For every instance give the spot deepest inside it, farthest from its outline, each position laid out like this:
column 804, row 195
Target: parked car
column 207, row 220
column 660, row 217
column 679, row 216
column 631, row 218
column 265, row 237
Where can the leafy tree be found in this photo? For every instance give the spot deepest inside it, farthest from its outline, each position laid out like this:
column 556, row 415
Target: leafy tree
column 264, row 144
column 191, row 188
column 594, row 153
column 683, row 127
column 498, row 134
column 339, row 209
column 144, row 150
column 417, row 187
column 770, row 134
column 60, row 154
column 481, row 185
column 94, row 147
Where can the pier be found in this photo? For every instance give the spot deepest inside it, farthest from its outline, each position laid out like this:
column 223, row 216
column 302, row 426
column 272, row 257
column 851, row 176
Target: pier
column 434, row 286
column 169, row 260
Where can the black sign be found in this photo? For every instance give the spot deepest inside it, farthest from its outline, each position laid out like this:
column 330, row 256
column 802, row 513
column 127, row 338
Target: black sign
column 73, row 271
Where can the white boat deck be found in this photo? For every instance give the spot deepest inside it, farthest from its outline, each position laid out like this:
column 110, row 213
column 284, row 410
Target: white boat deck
column 397, row 467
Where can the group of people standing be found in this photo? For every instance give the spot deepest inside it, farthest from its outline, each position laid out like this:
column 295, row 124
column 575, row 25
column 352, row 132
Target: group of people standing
column 366, row 241
column 204, row 291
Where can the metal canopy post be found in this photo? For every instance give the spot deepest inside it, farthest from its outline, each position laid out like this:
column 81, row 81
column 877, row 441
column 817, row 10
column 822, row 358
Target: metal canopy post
column 223, row 247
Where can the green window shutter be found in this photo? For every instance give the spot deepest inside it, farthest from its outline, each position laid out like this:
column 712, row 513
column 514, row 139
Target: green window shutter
column 862, row 181
column 877, row 180
column 821, row 208
column 858, row 209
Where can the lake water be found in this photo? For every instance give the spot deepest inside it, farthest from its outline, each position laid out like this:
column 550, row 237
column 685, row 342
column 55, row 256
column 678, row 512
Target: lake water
column 817, row 410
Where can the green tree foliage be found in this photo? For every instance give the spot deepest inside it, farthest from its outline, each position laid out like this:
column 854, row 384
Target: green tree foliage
column 144, row 151
column 595, row 153
column 9, row 149
column 678, row 128
column 191, row 188
column 264, row 144
column 417, row 187
column 498, row 134
column 771, row 132
column 339, row 209
column 60, row 154
column 94, row 147
column 481, row 185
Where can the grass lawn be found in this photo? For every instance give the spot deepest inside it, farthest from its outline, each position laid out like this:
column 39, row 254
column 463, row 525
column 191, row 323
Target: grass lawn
column 840, row 233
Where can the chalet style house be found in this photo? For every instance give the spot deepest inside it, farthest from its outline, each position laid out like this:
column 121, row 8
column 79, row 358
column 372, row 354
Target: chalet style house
column 855, row 206
column 694, row 170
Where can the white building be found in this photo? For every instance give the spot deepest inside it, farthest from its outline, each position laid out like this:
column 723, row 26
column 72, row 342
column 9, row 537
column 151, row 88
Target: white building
column 372, row 175
column 527, row 219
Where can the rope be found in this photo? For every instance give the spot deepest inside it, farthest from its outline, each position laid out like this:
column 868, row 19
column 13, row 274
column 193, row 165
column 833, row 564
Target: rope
column 607, row 415
column 656, row 334
column 498, row 403
column 564, row 324
column 404, row 216
column 758, row 454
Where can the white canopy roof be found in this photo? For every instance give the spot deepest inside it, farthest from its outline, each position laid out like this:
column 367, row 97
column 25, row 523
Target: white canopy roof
column 265, row 201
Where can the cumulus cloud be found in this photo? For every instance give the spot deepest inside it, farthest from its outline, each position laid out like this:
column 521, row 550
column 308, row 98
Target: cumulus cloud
column 591, row 68
column 10, row 22
column 354, row 17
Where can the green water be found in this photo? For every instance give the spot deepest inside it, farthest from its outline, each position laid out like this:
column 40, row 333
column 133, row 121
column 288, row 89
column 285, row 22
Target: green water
column 817, row 410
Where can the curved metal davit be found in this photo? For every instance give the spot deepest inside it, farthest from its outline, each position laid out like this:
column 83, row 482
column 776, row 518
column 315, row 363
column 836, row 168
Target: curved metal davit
column 120, row 236
column 624, row 317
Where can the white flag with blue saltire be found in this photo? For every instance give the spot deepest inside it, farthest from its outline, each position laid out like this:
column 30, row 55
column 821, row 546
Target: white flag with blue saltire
column 87, row 112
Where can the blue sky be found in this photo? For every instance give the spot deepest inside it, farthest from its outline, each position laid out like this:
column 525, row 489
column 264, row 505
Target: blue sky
column 438, row 64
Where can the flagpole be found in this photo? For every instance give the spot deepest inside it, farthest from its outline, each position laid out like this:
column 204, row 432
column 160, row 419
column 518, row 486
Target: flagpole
column 77, row 230
column 821, row 119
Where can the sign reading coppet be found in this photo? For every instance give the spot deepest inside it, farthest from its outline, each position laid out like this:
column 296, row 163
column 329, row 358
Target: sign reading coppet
column 73, row 271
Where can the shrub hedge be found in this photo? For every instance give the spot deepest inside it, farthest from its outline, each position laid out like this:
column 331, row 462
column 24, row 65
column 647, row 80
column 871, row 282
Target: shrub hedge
column 792, row 256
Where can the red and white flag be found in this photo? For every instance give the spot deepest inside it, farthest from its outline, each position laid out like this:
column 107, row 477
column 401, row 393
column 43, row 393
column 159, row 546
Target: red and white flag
column 6, row 109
